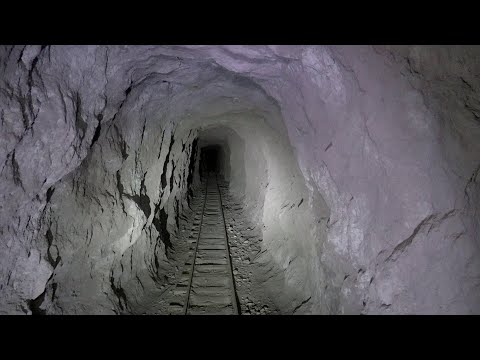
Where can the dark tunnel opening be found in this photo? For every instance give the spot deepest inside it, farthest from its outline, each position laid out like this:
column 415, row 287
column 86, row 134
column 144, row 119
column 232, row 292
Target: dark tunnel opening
column 210, row 160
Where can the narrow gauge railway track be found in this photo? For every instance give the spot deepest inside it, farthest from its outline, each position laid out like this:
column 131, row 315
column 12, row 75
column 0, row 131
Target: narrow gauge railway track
column 206, row 285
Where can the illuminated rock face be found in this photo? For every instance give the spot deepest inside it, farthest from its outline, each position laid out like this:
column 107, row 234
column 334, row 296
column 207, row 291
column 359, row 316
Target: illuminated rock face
column 360, row 165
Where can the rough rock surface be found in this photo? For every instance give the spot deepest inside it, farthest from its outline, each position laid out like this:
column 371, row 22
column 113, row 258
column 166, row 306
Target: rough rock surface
column 360, row 164
column 258, row 278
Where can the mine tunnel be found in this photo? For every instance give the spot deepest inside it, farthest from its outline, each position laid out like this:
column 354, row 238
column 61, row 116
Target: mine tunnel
column 211, row 160
column 239, row 180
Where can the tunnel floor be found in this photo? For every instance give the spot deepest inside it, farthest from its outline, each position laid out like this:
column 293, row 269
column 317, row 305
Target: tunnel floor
column 222, row 270
column 206, row 283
